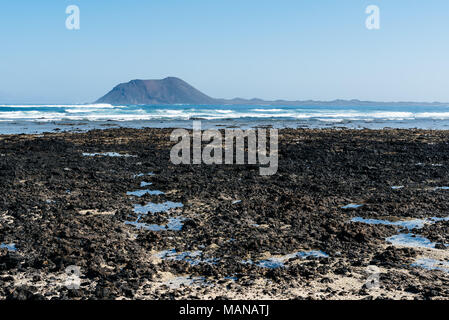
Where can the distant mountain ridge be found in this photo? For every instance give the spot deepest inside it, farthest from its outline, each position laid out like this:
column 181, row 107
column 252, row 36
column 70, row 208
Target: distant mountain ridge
column 170, row 90
column 173, row 90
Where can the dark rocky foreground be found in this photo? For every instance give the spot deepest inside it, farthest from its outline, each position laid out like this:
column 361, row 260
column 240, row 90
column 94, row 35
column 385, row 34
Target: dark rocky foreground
column 63, row 209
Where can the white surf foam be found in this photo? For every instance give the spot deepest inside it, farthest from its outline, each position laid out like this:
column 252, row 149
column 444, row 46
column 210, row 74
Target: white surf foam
column 104, row 112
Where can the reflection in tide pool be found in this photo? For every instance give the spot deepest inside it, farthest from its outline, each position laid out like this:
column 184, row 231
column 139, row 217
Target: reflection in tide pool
column 108, row 154
column 352, row 206
column 141, row 193
column 157, row 207
column 9, row 247
column 192, row 257
column 185, row 281
column 411, row 240
column 406, row 239
column 174, row 224
column 143, row 174
column 279, row 262
column 432, row 264
column 409, row 224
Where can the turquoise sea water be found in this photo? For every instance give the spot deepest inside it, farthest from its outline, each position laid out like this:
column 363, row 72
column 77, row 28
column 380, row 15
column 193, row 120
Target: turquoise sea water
column 41, row 118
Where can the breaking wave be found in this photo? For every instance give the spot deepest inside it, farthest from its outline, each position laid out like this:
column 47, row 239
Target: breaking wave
column 104, row 112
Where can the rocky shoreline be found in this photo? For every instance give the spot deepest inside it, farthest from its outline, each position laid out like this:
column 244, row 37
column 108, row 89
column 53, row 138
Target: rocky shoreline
column 341, row 203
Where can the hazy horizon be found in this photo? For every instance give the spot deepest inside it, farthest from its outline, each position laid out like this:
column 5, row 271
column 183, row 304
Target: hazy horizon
column 283, row 50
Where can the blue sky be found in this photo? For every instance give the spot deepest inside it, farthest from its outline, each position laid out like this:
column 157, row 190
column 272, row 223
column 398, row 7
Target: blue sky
column 283, row 49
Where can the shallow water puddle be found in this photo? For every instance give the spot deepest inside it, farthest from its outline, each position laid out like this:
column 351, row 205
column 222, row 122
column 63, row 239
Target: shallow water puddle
column 236, row 201
column 10, row 246
column 174, row 224
column 279, row 262
column 408, row 224
column 192, row 257
column 410, row 240
column 441, row 188
column 432, row 264
column 431, row 164
column 108, row 154
column 397, row 187
column 141, row 193
column 406, row 239
column 143, row 174
column 185, row 281
column 352, row 206
column 156, row 207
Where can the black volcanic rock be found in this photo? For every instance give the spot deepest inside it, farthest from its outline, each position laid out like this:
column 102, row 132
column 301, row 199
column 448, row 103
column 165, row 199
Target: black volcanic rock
column 166, row 91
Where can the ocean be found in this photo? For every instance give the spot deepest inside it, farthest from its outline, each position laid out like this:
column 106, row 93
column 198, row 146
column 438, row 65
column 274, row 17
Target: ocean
column 35, row 119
